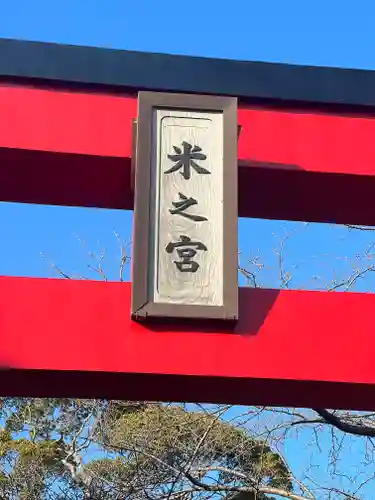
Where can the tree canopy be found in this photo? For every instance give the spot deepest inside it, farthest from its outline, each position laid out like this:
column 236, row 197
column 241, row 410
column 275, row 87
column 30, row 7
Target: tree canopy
column 54, row 448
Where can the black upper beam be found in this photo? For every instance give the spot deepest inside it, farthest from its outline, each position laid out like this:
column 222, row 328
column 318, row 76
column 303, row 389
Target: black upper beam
column 120, row 69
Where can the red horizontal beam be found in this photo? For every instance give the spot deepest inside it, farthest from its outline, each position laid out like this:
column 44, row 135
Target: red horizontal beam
column 100, row 125
column 75, row 338
column 73, row 148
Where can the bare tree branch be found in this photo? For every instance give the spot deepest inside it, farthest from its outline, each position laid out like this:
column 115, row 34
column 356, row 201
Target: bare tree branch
column 345, row 426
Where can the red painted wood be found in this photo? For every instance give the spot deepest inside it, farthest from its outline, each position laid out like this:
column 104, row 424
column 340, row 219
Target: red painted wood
column 57, row 325
column 100, row 125
column 74, row 149
column 66, row 122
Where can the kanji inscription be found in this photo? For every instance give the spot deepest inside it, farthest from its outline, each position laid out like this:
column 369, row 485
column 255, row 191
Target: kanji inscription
column 186, row 160
column 181, row 206
column 188, row 232
column 185, row 258
column 187, row 250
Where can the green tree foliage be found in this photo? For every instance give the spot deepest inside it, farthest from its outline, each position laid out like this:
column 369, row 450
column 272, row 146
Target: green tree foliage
column 74, row 449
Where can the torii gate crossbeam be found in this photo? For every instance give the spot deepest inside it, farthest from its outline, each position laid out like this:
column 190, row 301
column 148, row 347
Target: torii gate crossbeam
column 305, row 153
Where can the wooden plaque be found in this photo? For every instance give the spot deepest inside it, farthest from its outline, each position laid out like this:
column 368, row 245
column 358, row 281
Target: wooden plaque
column 184, row 262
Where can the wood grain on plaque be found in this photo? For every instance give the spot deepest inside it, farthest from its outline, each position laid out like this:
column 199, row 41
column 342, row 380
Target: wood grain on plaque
column 189, row 147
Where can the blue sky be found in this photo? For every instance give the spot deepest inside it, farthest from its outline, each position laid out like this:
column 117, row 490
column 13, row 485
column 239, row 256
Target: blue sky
column 321, row 33
column 332, row 33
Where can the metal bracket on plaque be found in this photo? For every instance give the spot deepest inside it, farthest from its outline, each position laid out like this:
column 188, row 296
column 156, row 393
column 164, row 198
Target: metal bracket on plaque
column 133, row 153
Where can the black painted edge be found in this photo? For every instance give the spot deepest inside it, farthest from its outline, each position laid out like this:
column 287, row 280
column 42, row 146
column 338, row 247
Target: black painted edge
column 120, row 70
column 185, row 388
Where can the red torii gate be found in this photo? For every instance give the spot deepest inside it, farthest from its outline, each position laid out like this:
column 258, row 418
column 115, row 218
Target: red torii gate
column 305, row 153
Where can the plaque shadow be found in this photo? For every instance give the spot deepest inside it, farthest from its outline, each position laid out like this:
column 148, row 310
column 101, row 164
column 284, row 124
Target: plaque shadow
column 254, row 305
